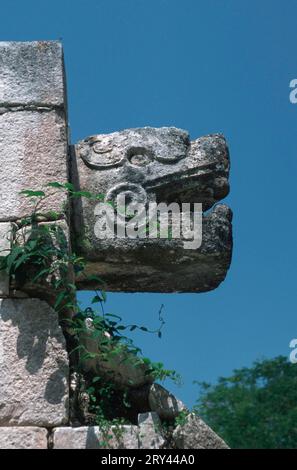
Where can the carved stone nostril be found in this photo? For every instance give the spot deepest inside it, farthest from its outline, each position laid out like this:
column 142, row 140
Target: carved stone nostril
column 139, row 160
column 139, row 156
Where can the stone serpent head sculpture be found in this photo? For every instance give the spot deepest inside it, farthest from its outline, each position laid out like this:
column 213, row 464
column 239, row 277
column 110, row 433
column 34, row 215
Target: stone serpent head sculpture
column 153, row 165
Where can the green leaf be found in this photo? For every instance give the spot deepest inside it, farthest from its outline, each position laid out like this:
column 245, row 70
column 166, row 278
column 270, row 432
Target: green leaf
column 31, row 244
column 96, row 379
column 25, row 221
column 72, row 286
column 100, row 197
column 60, row 298
column 12, row 257
column 22, row 260
column 85, row 194
column 54, row 215
column 29, row 193
column 69, row 186
column 55, row 184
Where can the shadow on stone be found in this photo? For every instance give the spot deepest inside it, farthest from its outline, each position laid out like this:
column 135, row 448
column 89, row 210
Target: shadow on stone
column 55, row 387
column 37, row 325
column 34, row 365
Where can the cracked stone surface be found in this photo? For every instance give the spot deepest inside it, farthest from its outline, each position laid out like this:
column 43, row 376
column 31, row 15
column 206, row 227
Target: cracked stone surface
column 27, row 437
column 33, row 128
column 195, row 434
column 33, row 365
column 150, row 427
column 154, row 165
column 164, row 403
column 33, row 149
column 32, row 74
column 145, row 436
column 91, row 437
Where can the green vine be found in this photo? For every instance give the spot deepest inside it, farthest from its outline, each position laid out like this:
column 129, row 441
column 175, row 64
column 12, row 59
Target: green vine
column 40, row 256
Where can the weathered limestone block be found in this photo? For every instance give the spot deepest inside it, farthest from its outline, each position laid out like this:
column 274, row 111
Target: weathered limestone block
column 145, row 436
column 33, row 152
column 91, row 437
column 32, row 73
column 195, row 434
column 33, row 365
column 5, row 235
column 33, row 125
column 153, row 165
column 164, row 403
column 26, row 437
column 150, row 436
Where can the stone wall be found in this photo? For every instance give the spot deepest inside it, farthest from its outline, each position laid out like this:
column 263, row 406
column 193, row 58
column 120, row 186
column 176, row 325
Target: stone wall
column 34, row 370
column 35, row 386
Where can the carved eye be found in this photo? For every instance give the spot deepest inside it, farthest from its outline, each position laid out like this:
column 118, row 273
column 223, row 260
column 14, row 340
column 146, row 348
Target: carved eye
column 101, row 147
column 139, row 156
column 100, row 154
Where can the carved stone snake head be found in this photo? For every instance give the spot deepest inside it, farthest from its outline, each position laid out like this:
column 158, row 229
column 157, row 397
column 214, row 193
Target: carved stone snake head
column 157, row 164
column 151, row 165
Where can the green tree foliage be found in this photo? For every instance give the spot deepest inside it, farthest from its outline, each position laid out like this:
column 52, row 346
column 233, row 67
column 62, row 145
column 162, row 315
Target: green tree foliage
column 255, row 408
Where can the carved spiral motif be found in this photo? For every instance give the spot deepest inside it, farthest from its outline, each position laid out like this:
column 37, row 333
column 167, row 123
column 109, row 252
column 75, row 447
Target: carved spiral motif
column 125, row 196
column 100, row 154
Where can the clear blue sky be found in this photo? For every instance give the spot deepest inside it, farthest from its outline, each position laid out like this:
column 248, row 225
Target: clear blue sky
column 206, row 66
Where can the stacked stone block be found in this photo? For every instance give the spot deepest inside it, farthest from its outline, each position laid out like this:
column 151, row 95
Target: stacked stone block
column 33, row 152
column 34, row 368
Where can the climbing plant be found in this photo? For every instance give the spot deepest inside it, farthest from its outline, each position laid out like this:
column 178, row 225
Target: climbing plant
column 40, row 256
